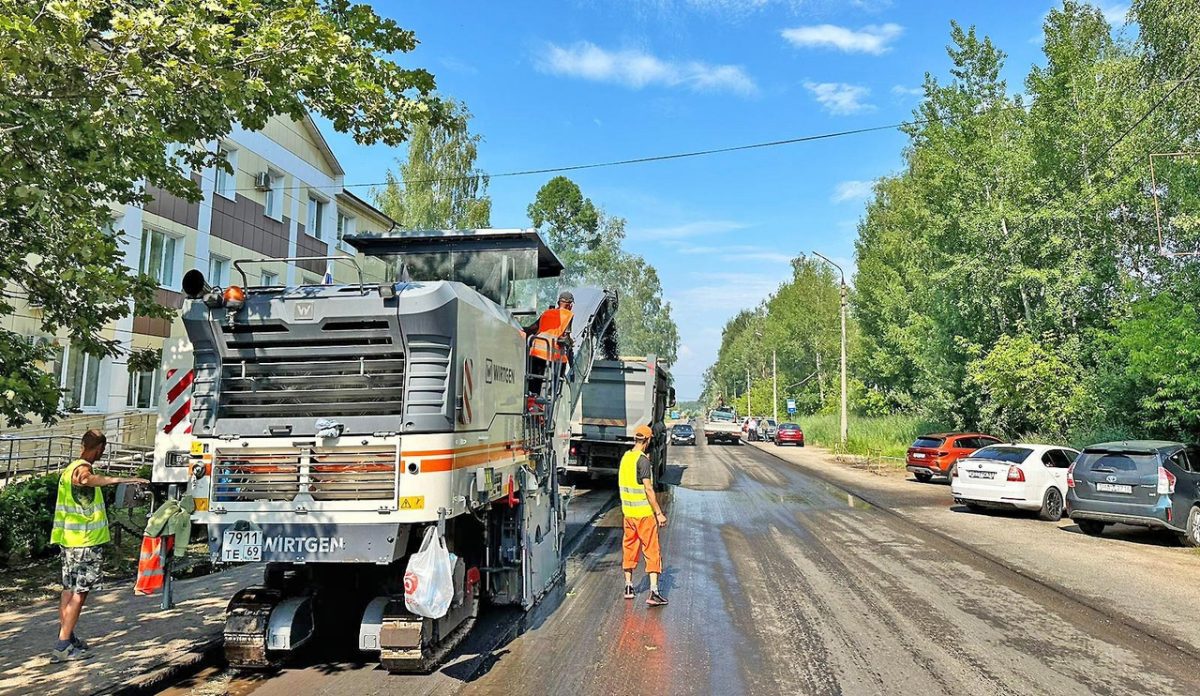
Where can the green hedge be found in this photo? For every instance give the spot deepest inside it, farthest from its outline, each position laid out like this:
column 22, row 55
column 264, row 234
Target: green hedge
column 26, row 516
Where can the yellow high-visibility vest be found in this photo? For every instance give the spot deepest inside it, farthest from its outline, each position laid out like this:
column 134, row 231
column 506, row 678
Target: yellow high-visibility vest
column 634, row 502
column 78, row 525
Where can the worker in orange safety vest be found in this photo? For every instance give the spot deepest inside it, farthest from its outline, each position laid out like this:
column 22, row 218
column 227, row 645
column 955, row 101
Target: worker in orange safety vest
column 553, row 326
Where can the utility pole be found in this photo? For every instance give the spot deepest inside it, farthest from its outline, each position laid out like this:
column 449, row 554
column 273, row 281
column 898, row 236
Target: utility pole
column 844, row 424
column 747, row 391
column 774, row 388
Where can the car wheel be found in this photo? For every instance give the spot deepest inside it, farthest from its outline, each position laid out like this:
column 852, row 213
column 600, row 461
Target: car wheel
column 950, row 472
column 922, row 476
column 1052, row 505
column 1091, row 527
column 1191, row 537
column 777, row 443
column 975, row 507
column 799, row 444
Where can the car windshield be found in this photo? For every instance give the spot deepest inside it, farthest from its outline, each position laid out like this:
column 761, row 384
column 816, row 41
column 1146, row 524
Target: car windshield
column 789, row 426
column 682, row 429
column 1010, row 455
column 929, row 442
column 1110, row 462
column 770, row 422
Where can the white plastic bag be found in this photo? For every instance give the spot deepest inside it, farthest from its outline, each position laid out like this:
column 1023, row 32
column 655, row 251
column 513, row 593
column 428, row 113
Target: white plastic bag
column 429, row 579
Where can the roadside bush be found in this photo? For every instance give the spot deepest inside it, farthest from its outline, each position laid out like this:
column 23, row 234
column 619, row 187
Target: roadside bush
column 889, row 435
column 1028, row 386
column 26, row 516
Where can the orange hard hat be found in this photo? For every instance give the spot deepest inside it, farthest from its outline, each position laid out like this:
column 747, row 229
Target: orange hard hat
column 643, row 432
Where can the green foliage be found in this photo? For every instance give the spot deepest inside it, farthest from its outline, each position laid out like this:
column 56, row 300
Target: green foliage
column 439, row 186
column 589, row 243
column 145, row 360
column 95, row 93
column 1027, row 385
column 26, row 516
column 801, row 325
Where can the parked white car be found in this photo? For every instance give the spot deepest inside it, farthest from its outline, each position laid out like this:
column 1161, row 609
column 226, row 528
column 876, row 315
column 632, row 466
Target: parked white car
column 1017, row 475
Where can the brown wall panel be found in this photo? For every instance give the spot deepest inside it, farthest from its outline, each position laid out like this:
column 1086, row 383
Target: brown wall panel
column 244, row 222
column 173, row 207
column 311, row 246
column 148, row 326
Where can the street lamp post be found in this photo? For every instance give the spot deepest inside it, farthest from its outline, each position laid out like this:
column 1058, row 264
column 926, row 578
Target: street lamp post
column 844, row 425
column 774, row 388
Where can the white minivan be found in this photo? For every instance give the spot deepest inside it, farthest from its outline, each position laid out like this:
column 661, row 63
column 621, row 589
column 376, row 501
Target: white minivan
column 1017, row 475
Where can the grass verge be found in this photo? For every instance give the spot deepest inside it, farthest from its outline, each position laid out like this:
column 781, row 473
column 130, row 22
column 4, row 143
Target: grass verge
column 889, row 436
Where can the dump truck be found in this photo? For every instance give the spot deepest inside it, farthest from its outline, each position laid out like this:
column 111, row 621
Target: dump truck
column 619, row 396
column 321, row 430
column 722, row 425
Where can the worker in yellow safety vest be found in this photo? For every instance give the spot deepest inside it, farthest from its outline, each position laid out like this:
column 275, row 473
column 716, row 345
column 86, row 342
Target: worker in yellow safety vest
column 81, row 529
column 552, row 326
column 643, row 515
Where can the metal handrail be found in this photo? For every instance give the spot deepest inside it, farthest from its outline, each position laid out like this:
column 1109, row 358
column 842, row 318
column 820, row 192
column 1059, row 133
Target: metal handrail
column 362, row 282
column 52, row 452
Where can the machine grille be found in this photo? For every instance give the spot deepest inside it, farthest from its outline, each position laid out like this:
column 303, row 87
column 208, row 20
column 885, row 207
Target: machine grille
column 249, row 474
column 347, row 368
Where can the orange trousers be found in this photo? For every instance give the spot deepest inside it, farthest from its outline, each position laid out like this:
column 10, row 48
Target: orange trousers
column 641, row 535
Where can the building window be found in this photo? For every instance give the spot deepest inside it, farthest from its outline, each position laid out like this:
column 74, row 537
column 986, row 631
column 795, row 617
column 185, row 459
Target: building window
column 143, row 386
column 345, row 226
column 158, row 256
column 218, row 271
column 80, row 379
column 226, row 183
column 316, row 213
column 269, row 278
column 274, row 206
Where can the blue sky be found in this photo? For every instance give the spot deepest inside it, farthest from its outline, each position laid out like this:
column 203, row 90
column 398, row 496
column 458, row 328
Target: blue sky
column 579, row 81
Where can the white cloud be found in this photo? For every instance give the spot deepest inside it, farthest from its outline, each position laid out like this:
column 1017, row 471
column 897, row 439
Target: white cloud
column 691, row 229
column 873, row 39
column 637, row 69
column 736, row 252
column 725, row 292
column 901, row 90
column 1115, row 14
column 839, row 97
column 852, row 191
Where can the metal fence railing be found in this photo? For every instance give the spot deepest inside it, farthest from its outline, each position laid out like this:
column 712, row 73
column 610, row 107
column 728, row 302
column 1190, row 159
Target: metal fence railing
column 29, row 455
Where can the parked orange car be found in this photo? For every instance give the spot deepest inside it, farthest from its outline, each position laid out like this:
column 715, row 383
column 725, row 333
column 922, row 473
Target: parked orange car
column 937, row 454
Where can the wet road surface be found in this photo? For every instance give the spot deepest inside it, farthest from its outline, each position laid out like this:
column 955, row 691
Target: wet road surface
column 781, row 583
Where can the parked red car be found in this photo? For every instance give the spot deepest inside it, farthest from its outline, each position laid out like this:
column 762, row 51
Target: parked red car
column 789, row 434
column 936, row 454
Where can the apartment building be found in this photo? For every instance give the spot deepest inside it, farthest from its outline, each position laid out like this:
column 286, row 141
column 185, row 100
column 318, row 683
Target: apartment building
column 285, row 199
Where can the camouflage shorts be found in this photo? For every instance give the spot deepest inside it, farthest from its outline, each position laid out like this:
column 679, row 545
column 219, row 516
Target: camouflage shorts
column 81, row 568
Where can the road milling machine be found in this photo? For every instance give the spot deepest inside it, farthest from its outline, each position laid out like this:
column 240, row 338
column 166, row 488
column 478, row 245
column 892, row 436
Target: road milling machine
column 321, row 429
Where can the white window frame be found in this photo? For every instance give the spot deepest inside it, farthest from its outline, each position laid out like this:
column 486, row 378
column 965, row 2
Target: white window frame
column 164, row 280
column 346, row 225
column 91, row 373
column 268, row 279
column 134, row 392
column 224, row 182
column 275, row 195
column 218, row 279
column 316, row 212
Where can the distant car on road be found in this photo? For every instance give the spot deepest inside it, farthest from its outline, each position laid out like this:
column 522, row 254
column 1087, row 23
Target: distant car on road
column 1019, row 475
column 683, row 434
column 788, row 434
column 1149, row 483
column 937, row 453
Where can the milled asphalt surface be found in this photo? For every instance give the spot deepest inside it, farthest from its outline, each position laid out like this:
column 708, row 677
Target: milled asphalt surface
column 781, row 583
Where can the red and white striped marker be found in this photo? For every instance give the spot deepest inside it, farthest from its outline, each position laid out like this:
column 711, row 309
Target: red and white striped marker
column 468, row 391
column 179, row 400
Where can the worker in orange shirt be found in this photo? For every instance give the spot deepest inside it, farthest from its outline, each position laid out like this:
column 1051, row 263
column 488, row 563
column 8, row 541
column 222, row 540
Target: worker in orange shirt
column 552, row 327
column 643, row 515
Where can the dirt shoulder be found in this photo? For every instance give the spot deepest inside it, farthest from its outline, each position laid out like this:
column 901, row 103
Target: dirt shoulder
column 1141, row 574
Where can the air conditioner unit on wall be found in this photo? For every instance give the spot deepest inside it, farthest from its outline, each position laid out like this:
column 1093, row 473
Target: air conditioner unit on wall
column 262, row 181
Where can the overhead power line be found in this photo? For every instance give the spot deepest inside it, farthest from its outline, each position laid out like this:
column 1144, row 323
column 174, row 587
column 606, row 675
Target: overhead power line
column 674, row 155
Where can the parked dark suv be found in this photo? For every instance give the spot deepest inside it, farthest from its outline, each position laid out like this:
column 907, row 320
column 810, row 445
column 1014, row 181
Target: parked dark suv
column 1149, row 483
